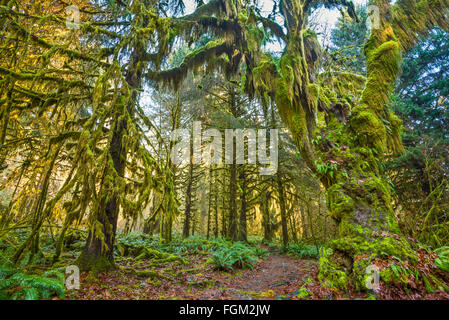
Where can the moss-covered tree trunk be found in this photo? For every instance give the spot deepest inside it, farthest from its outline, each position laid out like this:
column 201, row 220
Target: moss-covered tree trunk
column 216, row 207
column 281, row 194
column 232, row 230
column 243, row 233
column 188, row 207
column 346, row 147
column 304, row 224
column 98, row 253
column 39, row 215
column 224, row 229
column 266, row 217
column 360, row 198
column 356, row 137
column 209, row 204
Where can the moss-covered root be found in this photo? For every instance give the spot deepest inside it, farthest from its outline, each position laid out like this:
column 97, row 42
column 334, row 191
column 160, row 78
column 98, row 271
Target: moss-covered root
column 150, row 274
column 95, row 263
column 158, row 256
column 349, row 261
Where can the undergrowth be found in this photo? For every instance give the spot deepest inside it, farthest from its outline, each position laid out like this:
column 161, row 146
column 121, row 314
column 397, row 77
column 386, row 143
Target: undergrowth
column 303, row 250
column 15, row 284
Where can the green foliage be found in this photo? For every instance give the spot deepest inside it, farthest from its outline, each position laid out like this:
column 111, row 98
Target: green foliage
column 136, row 239
column 303, row 250
column 16, row 285
column 420, row 174
column 442, row 261
column 348, row 39
column 230, row 255
column 326, row 169
column 224, row 254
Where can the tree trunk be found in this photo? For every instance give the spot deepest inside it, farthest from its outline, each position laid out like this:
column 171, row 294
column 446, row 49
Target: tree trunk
column 283, row 212
column 216, row 212
column 243, row 229
column 169, row 212
column 305, row 230
column 232, row 204
column 292, row 221
column 266, row 219
column 98, row 253
column 188, row 208
column 224, row 230
column 209, row 203
column 32, row 241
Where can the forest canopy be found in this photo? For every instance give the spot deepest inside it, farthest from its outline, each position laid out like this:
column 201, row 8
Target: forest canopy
column 164, row 144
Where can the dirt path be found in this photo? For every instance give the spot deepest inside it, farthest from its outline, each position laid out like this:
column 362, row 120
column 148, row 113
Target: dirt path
column 273, row 277
column 278, row 276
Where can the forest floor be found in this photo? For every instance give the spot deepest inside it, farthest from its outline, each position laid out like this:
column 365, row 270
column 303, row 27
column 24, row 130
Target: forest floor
column 277, row 276
column 197, row 268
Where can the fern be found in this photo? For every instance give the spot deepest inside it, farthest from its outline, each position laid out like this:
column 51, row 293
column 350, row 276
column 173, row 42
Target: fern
column 442, row 261
column 302, row 250
column 16, row 285
column 228, row 255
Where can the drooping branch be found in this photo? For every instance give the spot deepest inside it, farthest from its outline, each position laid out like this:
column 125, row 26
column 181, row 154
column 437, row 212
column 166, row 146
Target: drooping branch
column 412, row 19
column 275, row 28
column 212, row 7
column 175, row 76
column 330, row 4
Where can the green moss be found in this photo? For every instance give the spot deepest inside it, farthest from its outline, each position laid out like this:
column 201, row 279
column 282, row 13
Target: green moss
column 313, row 91
column 387, row 275
column 338, row 201
column 95, row 264
column 331, row 274
column 150, row 274
column 359, row 274
column 347, row 259
column 287, row 64
column 368, row 129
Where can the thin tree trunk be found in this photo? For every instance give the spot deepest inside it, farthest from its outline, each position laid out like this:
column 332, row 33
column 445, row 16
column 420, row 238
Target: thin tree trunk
column 232, row 203
column 266, row 219
column 243, row 229
column 283, row 212
column 304, row 224
column 216, row 212
column 188, row 208
column 176, row 119
column 32, row 241
column 223, row 213
column 292, row 226
column 209, row 204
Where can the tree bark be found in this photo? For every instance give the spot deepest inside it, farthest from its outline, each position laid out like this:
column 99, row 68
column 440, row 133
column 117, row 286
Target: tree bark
column 283, row 212
column 98, row 253
column 209, row 205
column 243, row 223
column 266, row 219
column 188, row 208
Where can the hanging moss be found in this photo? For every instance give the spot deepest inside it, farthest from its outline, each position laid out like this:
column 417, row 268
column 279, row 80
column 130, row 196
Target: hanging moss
column 175, row 76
